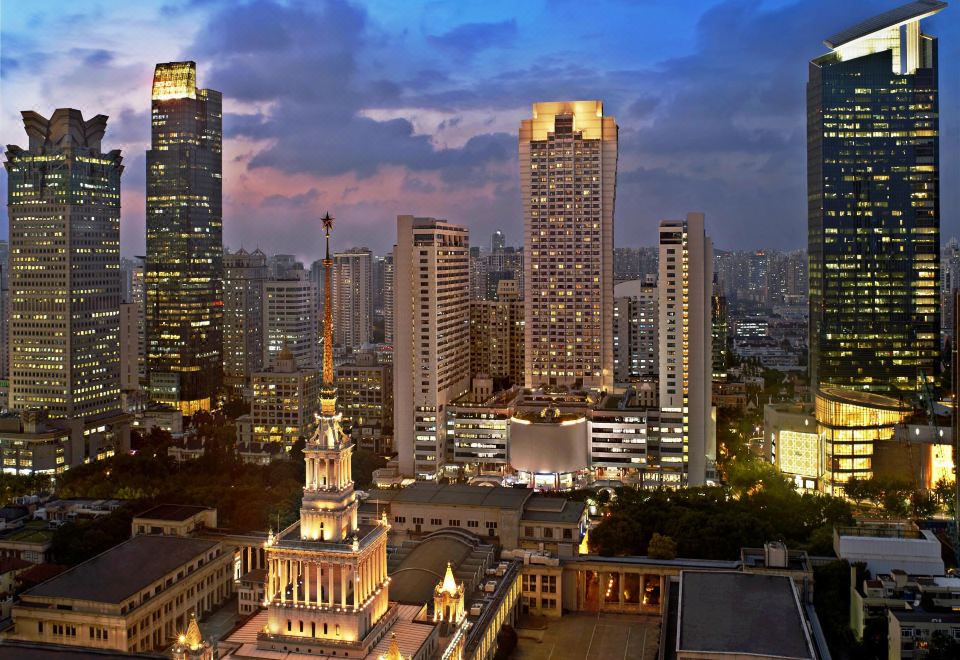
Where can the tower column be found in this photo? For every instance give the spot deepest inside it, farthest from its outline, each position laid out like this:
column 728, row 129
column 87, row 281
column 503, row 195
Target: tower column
column 330, row 584
column 296, row 581
column 343, row 586
column 283, row 580
column 306, row 582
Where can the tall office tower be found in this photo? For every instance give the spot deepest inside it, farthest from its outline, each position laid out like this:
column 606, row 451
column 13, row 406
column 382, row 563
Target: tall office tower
column 568, row 176
column 874, row 205
column 635, row 321
column 290, row 319
column 64, row 211
column 479, row 271
column 133, row 290
column 758, row 284
column 377, row 294
column 431, row 363
column 244, row 276
column 498, row 241
column 388, row 288
column 719, row 332
column 129, row 354
column 496, row 336
column 687, row 424
column 4, row 317
column 949, row 280
column 280, row 264
column 353, row 297
column 626, row 264
column 184, row 264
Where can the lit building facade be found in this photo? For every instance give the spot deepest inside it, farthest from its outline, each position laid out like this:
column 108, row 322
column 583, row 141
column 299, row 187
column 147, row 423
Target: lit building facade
column 284, row 403
column 635, row 327
column 184, row 262
column 431, row 338
column 793, row 443
column 850, row 424
column 687, row 419
column 497, row 339
column 365, row 393
column 388, row 299
column 64, row 299
column 353, row 297
column 290, row 318
column 244, row 276
column 873, row 205
column 568, row 172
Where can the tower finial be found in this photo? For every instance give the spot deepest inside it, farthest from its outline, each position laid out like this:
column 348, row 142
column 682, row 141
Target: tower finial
column 329, row 393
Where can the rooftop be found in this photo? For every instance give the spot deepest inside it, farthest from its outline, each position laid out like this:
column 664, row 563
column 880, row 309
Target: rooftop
column 422, row 565
column 123, row 570
column 172, row 512
column 913, row 11
column 422, row 492
column 859, row 398
column 741, row 613
column 542, row 508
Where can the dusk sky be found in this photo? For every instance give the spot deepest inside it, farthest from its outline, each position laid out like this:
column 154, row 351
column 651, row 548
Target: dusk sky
column 378, row 108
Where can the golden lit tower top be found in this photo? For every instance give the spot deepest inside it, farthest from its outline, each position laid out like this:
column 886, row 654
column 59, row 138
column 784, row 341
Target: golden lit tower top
column 328, row 394
column 175, row 80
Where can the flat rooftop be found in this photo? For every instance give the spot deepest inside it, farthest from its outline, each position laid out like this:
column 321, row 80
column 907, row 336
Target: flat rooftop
column 741, row 613
column 124, row 570
column 498, row 497
column 172, row 512
column 542, row 508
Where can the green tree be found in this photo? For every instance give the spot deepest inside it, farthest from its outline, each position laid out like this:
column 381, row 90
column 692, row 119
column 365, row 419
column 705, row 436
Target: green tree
column 363, row 464
column 661, row 547
column 943, row 647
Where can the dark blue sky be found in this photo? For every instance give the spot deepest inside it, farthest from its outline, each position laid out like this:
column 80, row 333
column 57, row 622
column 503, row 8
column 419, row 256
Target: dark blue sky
column 377, row 108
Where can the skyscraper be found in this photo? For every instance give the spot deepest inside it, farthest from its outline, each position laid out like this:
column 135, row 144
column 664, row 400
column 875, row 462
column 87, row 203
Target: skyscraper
column 568, row 174
column 244, row 276
column 635, row 319
column 873, row 205
column 498, row 241
column 290, row 319
column 184, row 263
column 64, row 210
column 353, row 297
column 687, row 425
column 431, row 338
column 388, row 299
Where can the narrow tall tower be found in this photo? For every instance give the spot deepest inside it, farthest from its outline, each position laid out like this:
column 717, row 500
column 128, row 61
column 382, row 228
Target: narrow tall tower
column 327, row 586
column 184, row 264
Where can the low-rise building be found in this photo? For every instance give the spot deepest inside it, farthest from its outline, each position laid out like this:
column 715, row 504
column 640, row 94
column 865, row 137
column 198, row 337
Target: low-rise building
column 160, row 416
column 510, row 517
column 885, row 547
column 174, row 520
column 134, row 597
column 792, row 442
column 727, row 614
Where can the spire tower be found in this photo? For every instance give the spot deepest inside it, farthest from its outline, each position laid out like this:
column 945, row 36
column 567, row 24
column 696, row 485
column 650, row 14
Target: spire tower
column 328, row 392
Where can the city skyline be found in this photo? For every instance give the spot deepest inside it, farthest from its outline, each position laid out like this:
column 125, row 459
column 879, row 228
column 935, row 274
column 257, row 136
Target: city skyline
column 433, row 132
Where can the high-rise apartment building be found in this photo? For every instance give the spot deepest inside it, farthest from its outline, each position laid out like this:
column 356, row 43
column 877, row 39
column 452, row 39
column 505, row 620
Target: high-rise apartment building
column 388, row 299
column 4, row 320
column 431, row 338
column 687, row 423
column 496, row 337
column 290, row 319
column 353, row 297
column 244, row 276
column 568, row 174
column 64, row 211
column 873, row 205
column 184, row 263
column 949, row 280
column 635, row 323
column 498, row 241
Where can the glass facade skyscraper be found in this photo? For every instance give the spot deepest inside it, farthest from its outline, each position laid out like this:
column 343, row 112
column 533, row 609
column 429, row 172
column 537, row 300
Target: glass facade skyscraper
column 184, row 264
column 873, row 205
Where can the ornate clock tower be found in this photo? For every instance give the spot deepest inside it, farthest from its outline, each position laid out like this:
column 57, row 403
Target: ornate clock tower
column 327, row 585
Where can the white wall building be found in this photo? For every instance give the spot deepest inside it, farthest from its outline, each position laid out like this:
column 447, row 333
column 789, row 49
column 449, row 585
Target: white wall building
column 431, row 338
